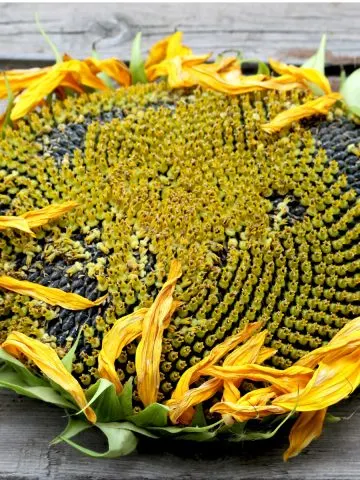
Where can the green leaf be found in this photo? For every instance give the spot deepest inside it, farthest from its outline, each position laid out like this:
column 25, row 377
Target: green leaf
column 317, row 61
column 181, row 431
column 133, row 428
column 137, row 65
column 121, row 441
column 342, row 78
column 199, row 419
column 125, row 398
column 258, row 434
column 48, row 40
column 104, row 401
column 351, row 92
column 14, row 381
column 330, row 418
column 70, row 356
column 155, row 415
column 73, row 428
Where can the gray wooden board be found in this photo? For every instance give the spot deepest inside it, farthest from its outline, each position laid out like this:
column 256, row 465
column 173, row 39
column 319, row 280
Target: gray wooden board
column 289, row 32
column 27, row 426
column 285, row 31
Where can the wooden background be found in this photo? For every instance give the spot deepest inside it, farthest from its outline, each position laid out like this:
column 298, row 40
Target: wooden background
column 289, row 32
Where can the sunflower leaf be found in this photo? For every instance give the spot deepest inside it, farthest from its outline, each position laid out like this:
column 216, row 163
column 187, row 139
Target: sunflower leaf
column 121, row 441
column 69, row 357
column 137, row 65
column 48, row 39
column 317, row 61
column 154, row 415
column 125, row 398
column 104, row 401
column 350, row 90
column 14, row 381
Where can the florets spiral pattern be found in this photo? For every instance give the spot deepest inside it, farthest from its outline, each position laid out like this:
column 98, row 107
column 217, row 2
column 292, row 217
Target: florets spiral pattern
column 266, row 227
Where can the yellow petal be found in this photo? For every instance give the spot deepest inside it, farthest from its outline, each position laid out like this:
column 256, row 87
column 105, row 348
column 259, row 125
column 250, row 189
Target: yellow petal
column 345, row 341
column 301, row 74
column 320, row 105
column 183, row 411
column 20, row 79
column 52, row 296
column 307, row 428
column 148, row 352
column 47, row 360
column 113, row 67
column 19, row 223
column 289, row 380
column 166, row 48
column 124, row 331
column 37, row 218
column 330, row 383
column 193, row 373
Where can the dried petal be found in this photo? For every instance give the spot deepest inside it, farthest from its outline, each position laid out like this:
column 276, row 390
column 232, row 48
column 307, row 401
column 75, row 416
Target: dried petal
column 46, row 359
column 148, row 352
column 320, row 105
column 124, row 331
column 52, row 296
column 113, row 67
column 193, row 373
column 20, row 79
column 307, row 428
column 302, row 75
column 19, row 223
column 166, row 48
column 330, row 383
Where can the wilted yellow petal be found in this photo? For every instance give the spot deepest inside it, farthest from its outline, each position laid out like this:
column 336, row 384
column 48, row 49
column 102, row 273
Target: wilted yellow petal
column 37, row 218
column 148, row 352
column 182, row 411
column 52, row 296
column 330, row 383
column 47, row 360
column 307, row 428
column 166, row 48
column 302, row 74
column 20, row 79
column 289, row 380
column 113, row 67
column 19, row 223
column 124, row 331
column 345, row 341
column 193, row 373
column 320, row 105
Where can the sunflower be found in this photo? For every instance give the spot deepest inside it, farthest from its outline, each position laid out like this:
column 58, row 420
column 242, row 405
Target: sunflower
column 181, row 257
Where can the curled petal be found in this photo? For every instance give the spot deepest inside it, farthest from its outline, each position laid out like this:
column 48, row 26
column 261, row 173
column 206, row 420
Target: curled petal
column 320, row 105
column 52, row 296
column 45, row 358
column 20, row 79
column 302, row 75
column 193, row 373
column 124, row 331
column 113, row 67
column 346, row 340
column 290, row 380
column 330, row 383
column 307, row 428
column 166, row 48
column 148, row 352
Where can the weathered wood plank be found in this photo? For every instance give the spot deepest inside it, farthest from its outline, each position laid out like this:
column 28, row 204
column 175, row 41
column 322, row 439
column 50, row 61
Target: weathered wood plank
column 27, row 426
column 284, row 31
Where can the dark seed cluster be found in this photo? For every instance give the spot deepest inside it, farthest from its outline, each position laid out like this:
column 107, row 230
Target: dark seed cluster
column 266, row 227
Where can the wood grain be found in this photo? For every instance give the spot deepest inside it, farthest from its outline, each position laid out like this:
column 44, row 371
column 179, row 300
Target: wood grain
column 27, row 426
column 288, row 32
